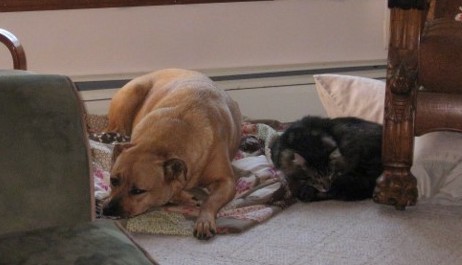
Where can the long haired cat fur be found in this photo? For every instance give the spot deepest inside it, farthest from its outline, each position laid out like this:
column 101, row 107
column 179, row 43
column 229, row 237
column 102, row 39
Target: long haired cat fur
column 325, row 158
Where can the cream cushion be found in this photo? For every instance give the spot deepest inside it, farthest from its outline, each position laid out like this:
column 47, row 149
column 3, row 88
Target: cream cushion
column 344, row 95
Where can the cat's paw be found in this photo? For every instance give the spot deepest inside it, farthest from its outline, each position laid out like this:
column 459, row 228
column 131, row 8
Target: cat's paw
column 307, row 194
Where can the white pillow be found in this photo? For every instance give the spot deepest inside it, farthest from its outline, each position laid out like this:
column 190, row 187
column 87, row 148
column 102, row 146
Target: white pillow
column 437, row 161
column 438, row 167
column 344, row 95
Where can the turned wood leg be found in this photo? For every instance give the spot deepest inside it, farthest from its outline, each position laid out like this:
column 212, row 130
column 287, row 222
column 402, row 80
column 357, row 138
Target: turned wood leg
column 397, row 186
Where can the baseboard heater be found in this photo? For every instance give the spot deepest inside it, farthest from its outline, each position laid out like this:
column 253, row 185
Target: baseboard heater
column 96, row 91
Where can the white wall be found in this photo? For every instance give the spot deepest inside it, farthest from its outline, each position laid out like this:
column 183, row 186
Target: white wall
column 199, row 36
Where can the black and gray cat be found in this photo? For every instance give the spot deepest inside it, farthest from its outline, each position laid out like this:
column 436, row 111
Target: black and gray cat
column 325, row 158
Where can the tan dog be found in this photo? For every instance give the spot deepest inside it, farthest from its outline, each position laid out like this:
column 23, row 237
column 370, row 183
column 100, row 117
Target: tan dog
column 184, row 133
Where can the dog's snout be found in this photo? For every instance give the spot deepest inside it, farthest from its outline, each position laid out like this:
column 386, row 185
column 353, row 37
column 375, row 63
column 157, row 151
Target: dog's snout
column 112, row 208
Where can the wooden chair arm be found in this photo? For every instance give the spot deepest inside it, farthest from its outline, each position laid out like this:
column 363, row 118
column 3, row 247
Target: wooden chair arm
column 15, row 48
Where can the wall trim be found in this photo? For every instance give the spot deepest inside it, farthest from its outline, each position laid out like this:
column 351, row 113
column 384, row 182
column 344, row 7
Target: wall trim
column 88, row 83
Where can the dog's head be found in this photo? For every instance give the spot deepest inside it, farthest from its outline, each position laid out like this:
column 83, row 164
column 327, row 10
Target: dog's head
column 141, row 179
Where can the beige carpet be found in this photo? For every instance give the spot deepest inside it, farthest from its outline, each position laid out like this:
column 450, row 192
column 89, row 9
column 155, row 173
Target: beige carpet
column 330, row 232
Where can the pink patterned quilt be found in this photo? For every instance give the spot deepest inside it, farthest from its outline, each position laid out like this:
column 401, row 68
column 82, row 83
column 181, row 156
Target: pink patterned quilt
column 261, row 191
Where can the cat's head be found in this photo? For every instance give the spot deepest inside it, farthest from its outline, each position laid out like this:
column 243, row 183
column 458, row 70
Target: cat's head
column 294, row 166
column 316, row 166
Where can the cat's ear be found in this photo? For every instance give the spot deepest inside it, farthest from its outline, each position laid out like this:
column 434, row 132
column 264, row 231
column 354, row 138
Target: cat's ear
column 289, row 159
column 335, row 154
column 337, row 160
column 329, row 142
column 298, row 160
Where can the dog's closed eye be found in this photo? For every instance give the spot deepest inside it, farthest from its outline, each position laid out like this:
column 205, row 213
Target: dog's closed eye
column 115, row 182
column 136, row 191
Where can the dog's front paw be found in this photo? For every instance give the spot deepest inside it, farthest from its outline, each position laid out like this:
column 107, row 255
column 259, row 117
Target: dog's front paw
column 205, row 227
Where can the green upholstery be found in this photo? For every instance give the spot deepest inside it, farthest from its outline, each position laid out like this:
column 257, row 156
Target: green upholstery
column 46, row 186
column 91, row 243
column 44, row 166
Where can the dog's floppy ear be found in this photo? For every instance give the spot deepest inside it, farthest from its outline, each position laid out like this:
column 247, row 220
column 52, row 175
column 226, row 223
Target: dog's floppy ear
column 175, row 169
column 118, row 148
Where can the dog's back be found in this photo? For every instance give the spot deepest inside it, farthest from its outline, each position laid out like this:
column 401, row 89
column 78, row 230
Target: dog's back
column 191, row 97
column 188, row 95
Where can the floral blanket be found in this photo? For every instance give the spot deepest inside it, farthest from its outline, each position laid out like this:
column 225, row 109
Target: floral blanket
column 261, row 191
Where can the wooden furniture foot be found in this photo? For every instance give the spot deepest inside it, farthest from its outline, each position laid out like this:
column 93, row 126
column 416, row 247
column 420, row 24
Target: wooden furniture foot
column 397, row 187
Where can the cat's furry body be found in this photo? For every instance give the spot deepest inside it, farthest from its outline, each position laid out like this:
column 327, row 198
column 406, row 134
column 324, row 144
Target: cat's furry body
column 325, row 158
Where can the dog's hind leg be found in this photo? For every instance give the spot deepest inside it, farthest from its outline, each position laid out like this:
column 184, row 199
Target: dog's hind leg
column 124, row 106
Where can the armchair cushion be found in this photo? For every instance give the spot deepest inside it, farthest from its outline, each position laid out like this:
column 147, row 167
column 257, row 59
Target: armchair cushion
column 45, row 171
column 91, row 243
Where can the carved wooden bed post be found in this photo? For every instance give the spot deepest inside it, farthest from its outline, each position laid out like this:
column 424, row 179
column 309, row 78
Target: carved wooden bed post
column 397, row 186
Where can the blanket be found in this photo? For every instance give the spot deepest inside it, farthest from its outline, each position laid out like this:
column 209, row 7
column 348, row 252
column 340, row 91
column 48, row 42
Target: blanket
column 261, row 190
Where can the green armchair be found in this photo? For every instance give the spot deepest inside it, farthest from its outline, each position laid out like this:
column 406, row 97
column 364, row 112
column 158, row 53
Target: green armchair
column 46, row 186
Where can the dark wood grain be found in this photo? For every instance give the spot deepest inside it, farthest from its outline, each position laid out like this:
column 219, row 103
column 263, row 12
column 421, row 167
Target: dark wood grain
column 30, row 5
column 423, row 90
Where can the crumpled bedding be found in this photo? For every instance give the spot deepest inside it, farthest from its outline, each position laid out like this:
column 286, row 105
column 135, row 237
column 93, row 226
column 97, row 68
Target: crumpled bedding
column 437, row 166
column 261, row 190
